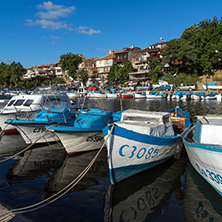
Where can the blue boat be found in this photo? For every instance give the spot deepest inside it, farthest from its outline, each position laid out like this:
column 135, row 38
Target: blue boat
column 142, row 140
column 33, row 129
column 86, row 132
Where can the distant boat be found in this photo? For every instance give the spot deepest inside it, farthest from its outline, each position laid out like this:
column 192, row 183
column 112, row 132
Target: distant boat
column 142, row 140
column 212, row 86
column 203, row 143
column 112, row 94
column 151, row 94
column 96, row 94
column 211, row 96
column 126, row 95
column 140, row 95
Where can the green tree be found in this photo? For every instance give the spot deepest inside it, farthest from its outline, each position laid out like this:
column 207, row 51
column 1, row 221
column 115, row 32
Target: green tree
column 123, row 71
column 83, row 75
column 3, row 74
column 198, row 49
column 16, row 71
column 112, row 74
column 69, row 62
column 58, row 80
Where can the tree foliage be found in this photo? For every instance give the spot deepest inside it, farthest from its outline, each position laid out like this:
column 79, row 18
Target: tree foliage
column 198, row 50
column 120, row 72
column 83, row 75
column 69, row 62
column 10, row 74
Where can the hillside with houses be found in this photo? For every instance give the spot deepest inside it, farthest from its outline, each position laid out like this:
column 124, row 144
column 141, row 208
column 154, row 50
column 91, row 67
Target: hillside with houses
column 99, row 68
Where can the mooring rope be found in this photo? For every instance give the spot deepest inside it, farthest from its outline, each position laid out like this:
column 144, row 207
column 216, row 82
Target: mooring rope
column 62, row 192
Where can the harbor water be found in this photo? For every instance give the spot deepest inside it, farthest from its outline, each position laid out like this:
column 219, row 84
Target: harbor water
column 172, row 191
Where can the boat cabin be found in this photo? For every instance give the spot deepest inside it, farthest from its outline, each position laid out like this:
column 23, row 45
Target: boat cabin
column 208, row 130
column 146, row 122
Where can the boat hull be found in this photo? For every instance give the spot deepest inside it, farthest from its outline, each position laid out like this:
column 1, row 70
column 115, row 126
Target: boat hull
column 112, row 95
column 127, row 156
column 36, row 133
column 139, row 96
column 206, row 160
column 80, row 141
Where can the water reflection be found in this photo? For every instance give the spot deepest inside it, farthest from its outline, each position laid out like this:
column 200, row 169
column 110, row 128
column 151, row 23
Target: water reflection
column 11, row 144
column 145, row 196
column 71, row 168
column 201, row 202
column 37, row 161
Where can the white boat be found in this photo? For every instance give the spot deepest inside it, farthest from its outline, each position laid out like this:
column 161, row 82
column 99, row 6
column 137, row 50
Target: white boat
column 96, row 94
column 211, row 96
column 203, row 145
column 150, row 95
column 139, row 96
column 33, row 130
column 112, row 95
column 212, row 86
column 79, row 93
column 142, row 140
column 85, row 133
column 27, row 106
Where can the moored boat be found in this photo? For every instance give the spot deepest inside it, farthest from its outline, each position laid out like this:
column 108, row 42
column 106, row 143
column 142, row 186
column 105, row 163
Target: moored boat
column 142, row 140
column 126, row 95
column 27, row 106
column 203, row 145
column 33, row 130
column 96, row 94
column 85, row 133
column 139, row 95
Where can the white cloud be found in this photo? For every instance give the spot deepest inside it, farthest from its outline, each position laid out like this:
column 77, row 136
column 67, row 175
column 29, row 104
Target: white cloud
column 85, row 30
column 51, row 37
column 7, row 60
column 46, row 24
column 50, row 12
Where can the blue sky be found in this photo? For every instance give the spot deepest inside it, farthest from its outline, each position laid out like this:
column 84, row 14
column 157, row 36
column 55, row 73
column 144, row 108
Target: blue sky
column 35, row 32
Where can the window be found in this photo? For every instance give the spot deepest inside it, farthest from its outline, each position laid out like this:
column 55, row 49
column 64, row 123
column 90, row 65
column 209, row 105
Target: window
column 11, row 102
column 19, row 102
column 28, row 102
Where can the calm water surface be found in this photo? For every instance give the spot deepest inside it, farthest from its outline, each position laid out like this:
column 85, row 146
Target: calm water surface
column 172, row 191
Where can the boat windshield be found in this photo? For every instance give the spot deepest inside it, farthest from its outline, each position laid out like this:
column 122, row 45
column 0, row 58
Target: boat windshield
column 49, row 90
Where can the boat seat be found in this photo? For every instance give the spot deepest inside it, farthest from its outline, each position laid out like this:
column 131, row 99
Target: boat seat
column 179, row 122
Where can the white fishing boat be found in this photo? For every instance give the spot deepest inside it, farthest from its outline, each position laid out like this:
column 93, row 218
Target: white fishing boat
column 112, row 94
column 96, row 94
column 203, row 145
column 142, row 140
column 79, row 93
column 33, row 130
column 139, row 95
column 85, row 133
column 27, row 106
column 212, row 86
column 151, row 94
column 211, row 96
